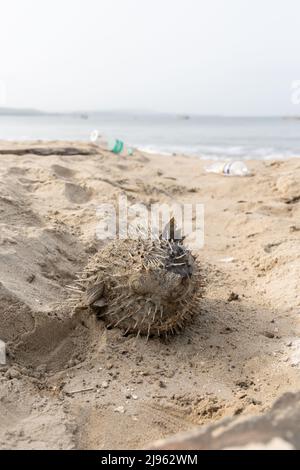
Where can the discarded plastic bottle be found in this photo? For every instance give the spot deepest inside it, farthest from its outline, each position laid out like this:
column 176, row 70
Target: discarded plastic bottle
column 233, row 168
column 113, row 145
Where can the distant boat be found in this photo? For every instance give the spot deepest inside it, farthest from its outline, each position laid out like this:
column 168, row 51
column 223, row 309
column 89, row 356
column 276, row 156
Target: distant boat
column 84, row 116
column 184, row 117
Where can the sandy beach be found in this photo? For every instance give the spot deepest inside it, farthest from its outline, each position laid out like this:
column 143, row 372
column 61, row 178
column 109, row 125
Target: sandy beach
column 70, row 383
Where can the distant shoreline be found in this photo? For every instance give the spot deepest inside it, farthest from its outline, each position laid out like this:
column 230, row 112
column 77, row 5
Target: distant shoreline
column 85, row 114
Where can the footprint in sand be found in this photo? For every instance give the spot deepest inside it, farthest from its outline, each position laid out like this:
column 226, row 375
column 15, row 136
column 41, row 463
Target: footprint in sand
column 62, row 171
column 77, row 194
column 51, row 344
column 14, row 170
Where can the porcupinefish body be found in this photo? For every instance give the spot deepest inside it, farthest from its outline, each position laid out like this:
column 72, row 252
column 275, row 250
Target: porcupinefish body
column 143, row 286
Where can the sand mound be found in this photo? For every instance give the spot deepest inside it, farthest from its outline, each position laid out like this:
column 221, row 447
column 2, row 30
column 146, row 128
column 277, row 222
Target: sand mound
column 289, row 187
column 16, row 319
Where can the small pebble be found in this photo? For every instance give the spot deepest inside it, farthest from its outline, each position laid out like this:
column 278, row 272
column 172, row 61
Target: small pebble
column 227, row 260
column 12, row 373
column 233, row 297
column 30, row 278
column 2, row 353
column 119, row 409
column 268, row 334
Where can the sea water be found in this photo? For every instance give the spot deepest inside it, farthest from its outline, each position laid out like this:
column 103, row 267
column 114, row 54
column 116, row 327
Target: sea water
column 212, row 137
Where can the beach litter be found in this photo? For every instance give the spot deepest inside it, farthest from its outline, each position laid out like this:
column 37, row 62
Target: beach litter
column 111, row 144
column 232, row 168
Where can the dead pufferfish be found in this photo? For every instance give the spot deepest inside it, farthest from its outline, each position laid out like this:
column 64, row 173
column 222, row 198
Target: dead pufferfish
column 143, row 286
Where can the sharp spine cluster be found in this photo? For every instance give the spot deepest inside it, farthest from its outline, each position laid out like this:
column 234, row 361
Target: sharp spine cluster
column 142, row 287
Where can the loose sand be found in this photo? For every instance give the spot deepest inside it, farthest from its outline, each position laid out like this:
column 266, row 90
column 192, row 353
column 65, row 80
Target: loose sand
column 70, row 382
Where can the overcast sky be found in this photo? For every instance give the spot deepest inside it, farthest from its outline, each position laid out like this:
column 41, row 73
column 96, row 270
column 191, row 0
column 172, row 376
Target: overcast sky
column 234, row 57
